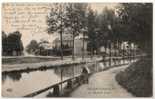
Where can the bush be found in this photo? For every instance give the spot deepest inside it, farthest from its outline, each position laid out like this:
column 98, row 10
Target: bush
column 137, row 78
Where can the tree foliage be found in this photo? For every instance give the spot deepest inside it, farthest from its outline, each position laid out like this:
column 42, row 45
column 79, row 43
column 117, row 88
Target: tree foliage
column 128, row 22
column 76, row 20
column 56, row 18
column 92, row 27
column 76, row 17
column 69, row 17
column 32, row 47
column 105, row 22
column 12, row 42
column 56, row 21
column 137, row 19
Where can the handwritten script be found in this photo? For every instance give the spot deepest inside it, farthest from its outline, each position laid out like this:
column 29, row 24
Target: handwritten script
column 25, row 16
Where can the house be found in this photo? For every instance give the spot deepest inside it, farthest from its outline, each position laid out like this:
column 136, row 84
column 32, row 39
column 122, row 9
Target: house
column 68, row 44
column 78, row 45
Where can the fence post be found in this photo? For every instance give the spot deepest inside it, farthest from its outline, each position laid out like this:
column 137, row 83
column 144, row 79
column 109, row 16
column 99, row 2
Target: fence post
column 105, row 64
column 56, row 90
column 73, row 71
column 123, row 54
column 69, row 84
column 96, row 64
column 61, row 78
column 110, row 54
column 130, row 53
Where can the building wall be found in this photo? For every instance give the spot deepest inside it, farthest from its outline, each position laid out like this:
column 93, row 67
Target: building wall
column 78, row 47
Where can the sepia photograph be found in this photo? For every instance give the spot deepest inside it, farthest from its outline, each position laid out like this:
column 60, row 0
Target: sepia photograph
column 76, row 50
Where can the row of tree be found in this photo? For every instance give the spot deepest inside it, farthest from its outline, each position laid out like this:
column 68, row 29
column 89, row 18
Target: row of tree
column 128, row 22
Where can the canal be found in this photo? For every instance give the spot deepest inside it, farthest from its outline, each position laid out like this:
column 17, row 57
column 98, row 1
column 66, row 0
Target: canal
column 18, row 84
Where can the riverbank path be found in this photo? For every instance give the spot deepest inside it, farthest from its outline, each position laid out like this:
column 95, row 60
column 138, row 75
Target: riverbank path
column 102, row 84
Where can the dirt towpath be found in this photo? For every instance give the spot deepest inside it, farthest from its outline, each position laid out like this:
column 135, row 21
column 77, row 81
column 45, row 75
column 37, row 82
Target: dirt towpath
column 102, row 84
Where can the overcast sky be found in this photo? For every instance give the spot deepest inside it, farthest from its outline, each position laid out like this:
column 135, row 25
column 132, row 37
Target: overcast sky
column 36, row 28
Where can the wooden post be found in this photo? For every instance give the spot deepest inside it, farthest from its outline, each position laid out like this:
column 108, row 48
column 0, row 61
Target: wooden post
column 135, row 53
column 69, row 84
column 56, row 90
column 110, row 54
column 117, row 52
column 130, row 53
column 78, row 80
column 123, row 53
column 105, row 55
column 73, row 71
column 96, row 64
column 61, row 78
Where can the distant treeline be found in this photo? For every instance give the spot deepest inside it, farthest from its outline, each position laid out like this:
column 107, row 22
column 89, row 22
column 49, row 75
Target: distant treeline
column 12, row 44
column 42, row 48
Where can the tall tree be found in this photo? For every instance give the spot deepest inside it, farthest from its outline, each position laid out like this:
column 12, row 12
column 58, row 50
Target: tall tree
column 33, row 47
column 92, row 27
column 56, row 22
column 76, row 19
column 105, row 32
column 14, row 42
column 137, row 19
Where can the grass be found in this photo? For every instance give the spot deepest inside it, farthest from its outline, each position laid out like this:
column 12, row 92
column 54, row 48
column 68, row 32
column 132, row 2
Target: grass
column 137, row 78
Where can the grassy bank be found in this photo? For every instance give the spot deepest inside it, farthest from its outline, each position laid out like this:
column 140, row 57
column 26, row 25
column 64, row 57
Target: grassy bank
column 137, row 78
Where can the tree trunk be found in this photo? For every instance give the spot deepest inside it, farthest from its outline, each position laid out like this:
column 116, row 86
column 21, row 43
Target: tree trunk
column 73, row 47
column 61, row 40
column 83, row 46
column 61, row 49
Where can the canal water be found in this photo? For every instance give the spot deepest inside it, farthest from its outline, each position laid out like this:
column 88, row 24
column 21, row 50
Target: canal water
column 18, row 84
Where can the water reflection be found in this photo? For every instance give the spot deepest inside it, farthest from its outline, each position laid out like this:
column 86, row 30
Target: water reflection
column 14, row 76
column 69, row 71
column 17, row 84
column 66, row 72
column 3, row 78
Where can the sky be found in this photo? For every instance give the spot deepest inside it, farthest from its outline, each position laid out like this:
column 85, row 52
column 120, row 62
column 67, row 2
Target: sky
column 30, row 19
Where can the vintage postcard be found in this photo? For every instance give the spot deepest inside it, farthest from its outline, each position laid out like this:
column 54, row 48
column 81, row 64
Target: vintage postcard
column 77, row 50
